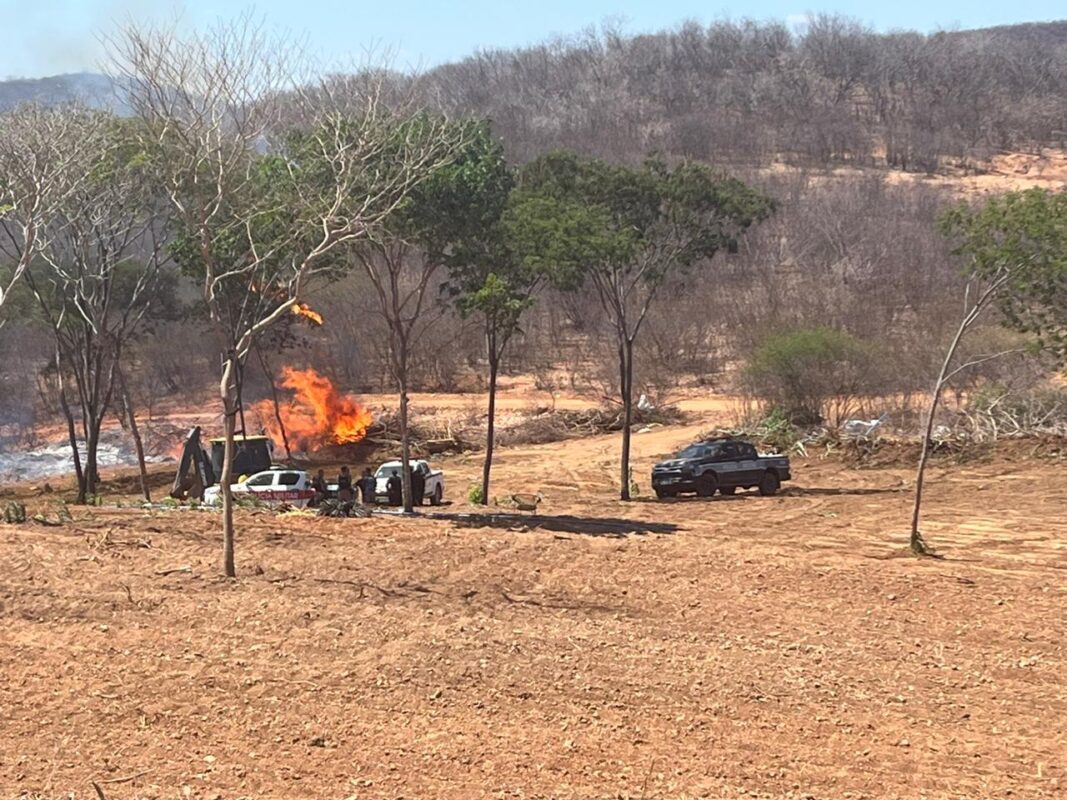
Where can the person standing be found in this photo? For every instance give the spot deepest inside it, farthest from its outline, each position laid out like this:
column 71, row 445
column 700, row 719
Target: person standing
column 344, row 486
column 368, row 487
column 318, row 483
column 394, row 487
column 418, row 485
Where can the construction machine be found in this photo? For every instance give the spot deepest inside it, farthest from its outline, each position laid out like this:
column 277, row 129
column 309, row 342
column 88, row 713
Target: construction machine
column 198, row 469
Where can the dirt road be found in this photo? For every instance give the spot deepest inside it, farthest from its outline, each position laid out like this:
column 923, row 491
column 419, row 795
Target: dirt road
column 734, row 647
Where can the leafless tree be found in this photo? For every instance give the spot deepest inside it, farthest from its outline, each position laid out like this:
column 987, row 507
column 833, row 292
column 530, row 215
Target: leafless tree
column 97, row 278
column 44, row 154
column 128, row 416
column 747, row 92
column 979, row 295
column 402, row 277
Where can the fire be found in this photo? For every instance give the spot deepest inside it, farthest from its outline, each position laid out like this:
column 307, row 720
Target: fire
column 318, row 413
column 307, row 312
column 298, row 309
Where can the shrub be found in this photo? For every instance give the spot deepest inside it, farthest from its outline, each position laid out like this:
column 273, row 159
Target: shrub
column 475, row 496
column 15, row 513
column 805, row 372
column 768, row 430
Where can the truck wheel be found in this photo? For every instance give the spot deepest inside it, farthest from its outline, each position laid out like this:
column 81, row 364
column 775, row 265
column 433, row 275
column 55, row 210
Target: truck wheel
column 769, row 484
column 706, row 485
column 728, row 490
column 662, row 493
column 437, row 496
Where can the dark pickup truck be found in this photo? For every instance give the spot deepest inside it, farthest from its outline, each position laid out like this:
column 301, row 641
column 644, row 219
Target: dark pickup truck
column 723, row 465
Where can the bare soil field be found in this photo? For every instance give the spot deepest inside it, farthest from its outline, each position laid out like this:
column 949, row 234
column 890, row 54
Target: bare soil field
column 733, row 647
column 1004, row 172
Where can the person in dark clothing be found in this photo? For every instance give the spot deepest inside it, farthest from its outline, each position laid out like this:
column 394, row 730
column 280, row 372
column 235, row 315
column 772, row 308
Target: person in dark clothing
column 318, row 483
column 344, row 486
column 368, row 487
column 418, row 486
column 394, row 487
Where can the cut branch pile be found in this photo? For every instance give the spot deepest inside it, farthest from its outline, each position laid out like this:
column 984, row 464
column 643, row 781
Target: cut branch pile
column 554, row 426
column 336, row 508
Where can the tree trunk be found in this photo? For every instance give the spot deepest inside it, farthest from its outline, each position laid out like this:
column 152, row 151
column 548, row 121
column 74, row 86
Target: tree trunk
column 72, row 436
column 277, row 405
column 626, row 353
column 229, row 421
column 490, row 432
column 405, row 447
column 84, row 481
column 917, row 543
column 239, row 375
column 135, row 432
column 92, row 444
column 401, row 364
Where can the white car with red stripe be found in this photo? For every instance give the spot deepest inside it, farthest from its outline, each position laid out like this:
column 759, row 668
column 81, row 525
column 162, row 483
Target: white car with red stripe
column 272, row 486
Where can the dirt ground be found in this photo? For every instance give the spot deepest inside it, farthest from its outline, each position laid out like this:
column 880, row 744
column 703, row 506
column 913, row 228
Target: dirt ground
column 733, row 647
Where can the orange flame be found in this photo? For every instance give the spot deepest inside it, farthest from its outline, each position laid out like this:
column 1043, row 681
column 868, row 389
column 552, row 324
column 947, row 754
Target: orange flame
column 298, row 309
column 318, row 414
column 307, row 312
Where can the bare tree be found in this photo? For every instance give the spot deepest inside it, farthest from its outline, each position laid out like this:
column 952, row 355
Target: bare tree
column 97, row 277
column 978, row 296
column 1016, row 247
column 129, row 416
column 43, row 158
column 402, row 277
column 262, row 209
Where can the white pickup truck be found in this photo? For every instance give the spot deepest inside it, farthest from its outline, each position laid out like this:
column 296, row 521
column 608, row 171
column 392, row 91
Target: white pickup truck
column 276, row 485
column 435, row 480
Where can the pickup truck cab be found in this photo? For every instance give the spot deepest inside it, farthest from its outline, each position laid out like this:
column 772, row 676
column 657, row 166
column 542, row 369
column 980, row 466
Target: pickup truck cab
column 274, row 485
column 723, row 465
column 435, row 480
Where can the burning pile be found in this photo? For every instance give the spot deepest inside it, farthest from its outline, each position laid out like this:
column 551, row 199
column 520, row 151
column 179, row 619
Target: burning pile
column 318, row 414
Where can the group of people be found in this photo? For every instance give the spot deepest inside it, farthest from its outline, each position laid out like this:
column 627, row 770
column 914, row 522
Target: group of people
column 366, row 488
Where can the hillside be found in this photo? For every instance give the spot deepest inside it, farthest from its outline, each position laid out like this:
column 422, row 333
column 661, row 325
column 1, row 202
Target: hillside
column 746, row 93
column 87, row 87
column 757, row 92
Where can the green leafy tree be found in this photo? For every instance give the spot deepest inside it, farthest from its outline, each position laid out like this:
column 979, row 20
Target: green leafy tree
column 461, row 227
column 1022, row 236
column 500, row 245
column 498, row 300
column 635, row 229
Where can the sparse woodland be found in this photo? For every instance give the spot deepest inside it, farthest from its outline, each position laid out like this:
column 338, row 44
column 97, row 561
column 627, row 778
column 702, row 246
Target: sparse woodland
column 854, row 251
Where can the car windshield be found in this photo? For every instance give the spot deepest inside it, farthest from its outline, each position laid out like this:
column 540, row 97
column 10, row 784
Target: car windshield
column 385, row 472
column 699, row 451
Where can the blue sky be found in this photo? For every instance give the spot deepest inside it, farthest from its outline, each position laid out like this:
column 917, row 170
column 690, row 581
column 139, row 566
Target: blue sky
column 46, row 37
